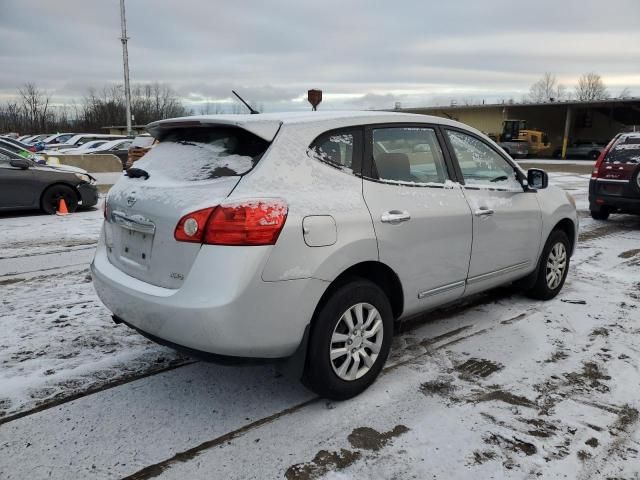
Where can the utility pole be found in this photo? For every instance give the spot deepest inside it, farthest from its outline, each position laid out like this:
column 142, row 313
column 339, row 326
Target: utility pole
column 125, row 61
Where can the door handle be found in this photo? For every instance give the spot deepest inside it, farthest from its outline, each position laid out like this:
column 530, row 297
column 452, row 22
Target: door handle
column 483, row 211
column 395, row 217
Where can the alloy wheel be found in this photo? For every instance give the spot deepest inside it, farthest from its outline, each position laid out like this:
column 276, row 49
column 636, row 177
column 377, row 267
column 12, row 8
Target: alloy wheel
column 556, row 265
column 356, row 341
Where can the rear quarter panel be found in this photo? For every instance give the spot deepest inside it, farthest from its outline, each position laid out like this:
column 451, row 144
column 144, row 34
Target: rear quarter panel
column 310, row 187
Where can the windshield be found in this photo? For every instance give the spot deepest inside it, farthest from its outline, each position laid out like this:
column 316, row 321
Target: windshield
column 195, row 154
column 627, row 152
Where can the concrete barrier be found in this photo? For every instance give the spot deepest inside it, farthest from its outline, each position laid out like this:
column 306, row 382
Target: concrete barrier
column 97, row 163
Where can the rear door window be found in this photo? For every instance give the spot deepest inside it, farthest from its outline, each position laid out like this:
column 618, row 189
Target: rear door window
column 408, row 155
column 203, row 153
column 338, row 148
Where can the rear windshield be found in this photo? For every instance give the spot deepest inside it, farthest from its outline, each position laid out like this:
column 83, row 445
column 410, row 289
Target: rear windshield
column 204, row 153
column 626, row 151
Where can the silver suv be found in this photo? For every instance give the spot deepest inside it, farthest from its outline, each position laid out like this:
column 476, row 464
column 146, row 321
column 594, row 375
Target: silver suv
column 309, row 235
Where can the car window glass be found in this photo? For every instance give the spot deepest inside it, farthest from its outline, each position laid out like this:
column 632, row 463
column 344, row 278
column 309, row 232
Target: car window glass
column 480, row 164
column 335, row 149
column 199, row 154
column 625, row 152
column 408, row 154
column 4, row 160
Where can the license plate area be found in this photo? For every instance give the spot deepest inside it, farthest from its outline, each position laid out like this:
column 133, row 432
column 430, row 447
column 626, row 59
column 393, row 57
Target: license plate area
column 135, row 247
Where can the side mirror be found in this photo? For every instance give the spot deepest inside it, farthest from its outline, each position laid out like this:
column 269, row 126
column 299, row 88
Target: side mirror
column 537, row 179
column 23, row 164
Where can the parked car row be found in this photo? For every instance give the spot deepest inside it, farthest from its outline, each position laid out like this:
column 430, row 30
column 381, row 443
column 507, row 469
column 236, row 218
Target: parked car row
column 127, row 149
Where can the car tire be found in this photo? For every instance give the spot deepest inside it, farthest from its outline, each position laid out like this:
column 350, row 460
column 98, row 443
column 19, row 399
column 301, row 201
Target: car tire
column 635, row 179
column 52, row 195
column 594, row 155
column 554, row 260
column 600, row 214
column 330, row 332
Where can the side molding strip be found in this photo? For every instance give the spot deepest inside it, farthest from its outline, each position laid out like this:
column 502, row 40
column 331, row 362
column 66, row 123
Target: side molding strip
column 478, row 278
column 442, row 289
column 502, row 271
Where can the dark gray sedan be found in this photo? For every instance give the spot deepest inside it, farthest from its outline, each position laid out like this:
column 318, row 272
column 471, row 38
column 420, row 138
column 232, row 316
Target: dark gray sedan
column 26, row 184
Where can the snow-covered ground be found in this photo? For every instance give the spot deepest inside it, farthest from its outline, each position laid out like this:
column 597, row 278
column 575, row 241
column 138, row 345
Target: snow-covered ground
column 56, row 338
column 500, row 387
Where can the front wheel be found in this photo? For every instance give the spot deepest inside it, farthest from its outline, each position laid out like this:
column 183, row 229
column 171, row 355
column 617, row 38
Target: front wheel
column 51, row 199
column 552, row 268
column 350, row 341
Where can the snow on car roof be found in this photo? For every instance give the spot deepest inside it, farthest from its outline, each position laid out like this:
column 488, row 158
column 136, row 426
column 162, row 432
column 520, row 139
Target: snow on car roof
column 266, row 125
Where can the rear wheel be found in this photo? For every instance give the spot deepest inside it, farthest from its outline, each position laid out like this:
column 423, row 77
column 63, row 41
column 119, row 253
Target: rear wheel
column 600, row 214
column 51, row 199
column 635, row 179
column 350, row 341
column 552, row 268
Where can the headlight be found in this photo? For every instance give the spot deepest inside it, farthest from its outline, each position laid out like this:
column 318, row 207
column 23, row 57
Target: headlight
column 572, row 200
column 84, row 177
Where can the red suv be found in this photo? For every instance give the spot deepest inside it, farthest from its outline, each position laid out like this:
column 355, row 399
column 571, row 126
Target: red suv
column 615, row 180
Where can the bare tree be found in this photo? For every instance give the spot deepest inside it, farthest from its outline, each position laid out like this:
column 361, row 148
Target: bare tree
column 547, row 88
column 625, row 93
column 211, row 108
column 591, row 87
column 35, row 103
column 32, row 111
column 561, row 92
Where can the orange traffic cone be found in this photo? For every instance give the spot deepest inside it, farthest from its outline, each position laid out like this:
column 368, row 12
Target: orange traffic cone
column 62, row 208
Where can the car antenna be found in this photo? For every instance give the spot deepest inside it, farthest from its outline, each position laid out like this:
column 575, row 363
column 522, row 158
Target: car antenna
column 253, row 112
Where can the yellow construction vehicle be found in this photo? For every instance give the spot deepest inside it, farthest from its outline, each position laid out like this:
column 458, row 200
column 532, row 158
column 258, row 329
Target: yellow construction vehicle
column 516, row 131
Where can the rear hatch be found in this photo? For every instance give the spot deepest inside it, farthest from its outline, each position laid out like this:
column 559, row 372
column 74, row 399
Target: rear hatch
column 138, row 148
column 190, row 169
column 619, row 166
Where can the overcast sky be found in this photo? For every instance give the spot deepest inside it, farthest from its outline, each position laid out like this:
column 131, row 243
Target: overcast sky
column 362, row 54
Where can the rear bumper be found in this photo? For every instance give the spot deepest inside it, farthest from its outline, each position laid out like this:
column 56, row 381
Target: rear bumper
column 88, row 194
column 626, row 198
column 232, row 313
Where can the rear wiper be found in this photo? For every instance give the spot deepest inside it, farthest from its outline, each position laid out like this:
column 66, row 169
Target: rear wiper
column 137, row 173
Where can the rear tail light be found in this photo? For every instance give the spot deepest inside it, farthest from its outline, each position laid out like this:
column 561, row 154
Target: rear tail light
column 255, row 222
column 191, row 227
column 602, row 156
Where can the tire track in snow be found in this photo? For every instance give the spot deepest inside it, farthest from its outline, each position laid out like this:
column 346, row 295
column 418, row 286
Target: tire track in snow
column 430, row 344
column 404, row 328
column 92, row 391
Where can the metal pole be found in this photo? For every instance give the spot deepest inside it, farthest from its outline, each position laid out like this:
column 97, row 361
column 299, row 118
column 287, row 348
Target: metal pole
column 567, row 128
column 125, row 62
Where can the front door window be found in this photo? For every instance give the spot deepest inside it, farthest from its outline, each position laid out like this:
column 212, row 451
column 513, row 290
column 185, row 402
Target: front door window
column 481, row 165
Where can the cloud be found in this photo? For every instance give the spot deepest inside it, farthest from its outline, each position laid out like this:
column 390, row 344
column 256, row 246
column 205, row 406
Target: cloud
column 362, row 53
